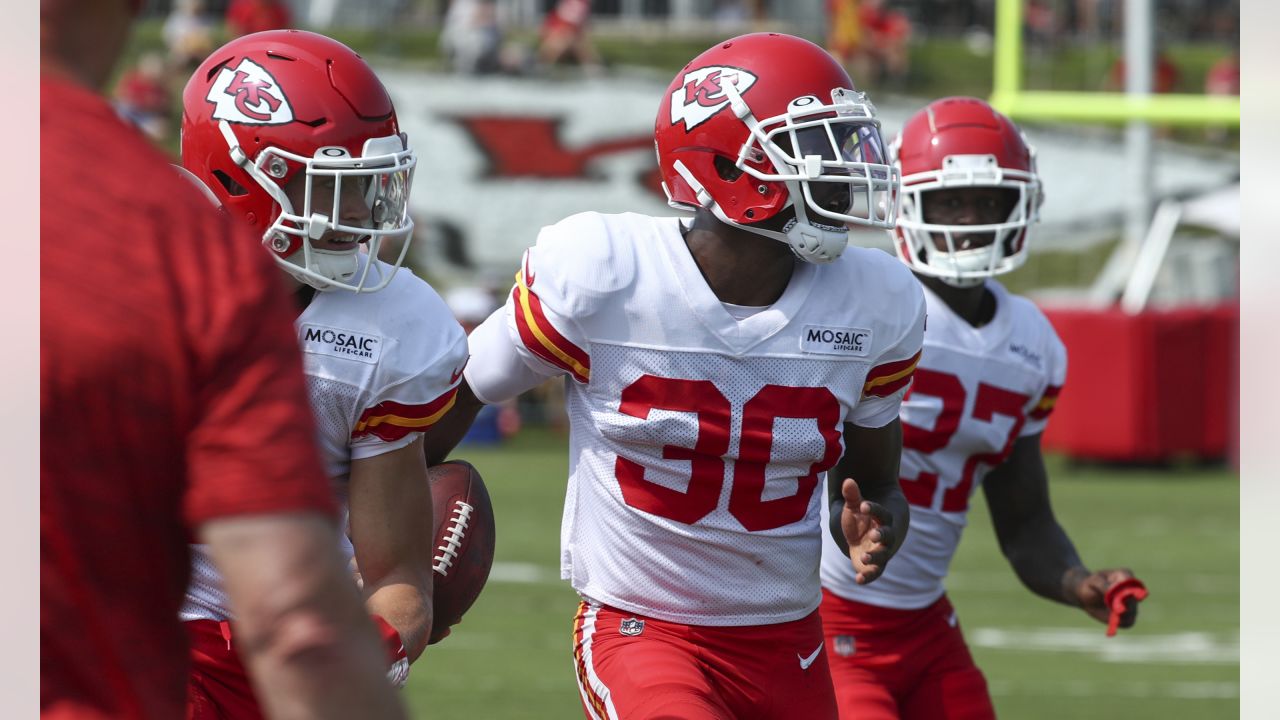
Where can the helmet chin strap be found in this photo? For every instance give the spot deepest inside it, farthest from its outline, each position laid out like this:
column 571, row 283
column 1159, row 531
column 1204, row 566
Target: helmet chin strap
column 339, row 265
column 961, row 283
column 808, row 242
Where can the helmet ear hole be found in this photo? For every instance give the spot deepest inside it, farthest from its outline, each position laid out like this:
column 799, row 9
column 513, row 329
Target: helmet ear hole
column 233, row 188
column 726, row 169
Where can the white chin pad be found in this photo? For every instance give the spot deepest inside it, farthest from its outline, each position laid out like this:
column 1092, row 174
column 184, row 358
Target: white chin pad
column 337, row 265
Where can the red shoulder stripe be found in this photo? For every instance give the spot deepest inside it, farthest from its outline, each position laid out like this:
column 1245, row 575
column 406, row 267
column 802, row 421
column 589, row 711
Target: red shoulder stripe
column 542, row 338
column 390, row 420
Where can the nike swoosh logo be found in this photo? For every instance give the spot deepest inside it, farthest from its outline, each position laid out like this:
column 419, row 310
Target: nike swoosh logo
column 453, row 378
column 805, row 662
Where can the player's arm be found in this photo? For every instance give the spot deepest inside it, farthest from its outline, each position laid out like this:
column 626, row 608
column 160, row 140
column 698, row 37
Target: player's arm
column 442, row 437
column 502, row 366
column 1035, row 544
column 869, row 513
column 300, row 627
column 391, row 528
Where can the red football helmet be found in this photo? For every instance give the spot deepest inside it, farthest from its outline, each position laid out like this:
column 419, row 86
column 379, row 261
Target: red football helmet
column 961, row 142
column 766, row 122
column 286, row 106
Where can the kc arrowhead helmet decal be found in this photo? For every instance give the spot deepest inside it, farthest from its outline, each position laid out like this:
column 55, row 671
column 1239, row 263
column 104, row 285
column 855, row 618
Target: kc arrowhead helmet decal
column 248, row 94
column 701, row 95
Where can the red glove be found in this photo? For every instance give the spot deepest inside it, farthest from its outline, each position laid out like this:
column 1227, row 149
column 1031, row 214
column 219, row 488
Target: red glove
column 1117, row 598
column 397, row 658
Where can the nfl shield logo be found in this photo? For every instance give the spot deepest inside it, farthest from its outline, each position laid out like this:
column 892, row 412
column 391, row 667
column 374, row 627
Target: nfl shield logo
column 844, row 645
column 631, row 626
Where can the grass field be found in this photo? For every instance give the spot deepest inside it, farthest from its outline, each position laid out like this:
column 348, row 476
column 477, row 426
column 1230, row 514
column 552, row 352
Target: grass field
column 1178, row 529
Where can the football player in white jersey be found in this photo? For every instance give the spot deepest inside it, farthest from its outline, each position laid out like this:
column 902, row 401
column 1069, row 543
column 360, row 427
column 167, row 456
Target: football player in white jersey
column 293, row 132
column 716, row 367
column 987, row 381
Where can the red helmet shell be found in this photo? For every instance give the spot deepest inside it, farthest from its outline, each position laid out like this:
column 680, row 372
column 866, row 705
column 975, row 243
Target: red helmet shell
column 695, row 123
column 959, row 126
column 288, row 89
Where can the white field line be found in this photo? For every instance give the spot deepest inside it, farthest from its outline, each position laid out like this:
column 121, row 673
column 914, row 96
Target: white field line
column 1182, row 648
column 1179, row 648
column 1184, row 690
column 524, row 573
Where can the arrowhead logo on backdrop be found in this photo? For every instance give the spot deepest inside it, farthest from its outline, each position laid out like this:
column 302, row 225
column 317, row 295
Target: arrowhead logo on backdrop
column 701, row 96
column 249, row 95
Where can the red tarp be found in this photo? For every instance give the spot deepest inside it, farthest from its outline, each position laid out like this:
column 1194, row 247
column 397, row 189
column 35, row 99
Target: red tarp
column 1158, row 385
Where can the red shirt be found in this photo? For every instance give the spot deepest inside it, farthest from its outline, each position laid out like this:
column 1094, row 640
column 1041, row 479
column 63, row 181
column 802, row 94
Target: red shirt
column 171, row 394
column 1224, row 77
column 143, row 93
column 568, row 16
column 251, row 16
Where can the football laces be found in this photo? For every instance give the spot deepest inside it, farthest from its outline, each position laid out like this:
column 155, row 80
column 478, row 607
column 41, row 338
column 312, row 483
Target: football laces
column 456, row 531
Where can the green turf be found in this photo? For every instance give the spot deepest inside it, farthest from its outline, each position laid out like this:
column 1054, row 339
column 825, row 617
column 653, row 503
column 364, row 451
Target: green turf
column 1177, row 528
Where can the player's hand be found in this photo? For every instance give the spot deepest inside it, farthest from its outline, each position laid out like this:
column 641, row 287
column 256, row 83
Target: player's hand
column 1091, row 590
column 868, row 528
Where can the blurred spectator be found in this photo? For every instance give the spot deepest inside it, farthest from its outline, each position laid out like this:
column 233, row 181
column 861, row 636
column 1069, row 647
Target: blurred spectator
column 1040, row 22
column 471, row 38
column 887, row 34
column 1223, row 23
column 142, row 96
column 1223, row 77
column 870, row 40
column 564, row 36
column 844, row 32
column 188, row 35
column 471, row 305
column 1094, row 18
column 251, row 16
column 1165, row 75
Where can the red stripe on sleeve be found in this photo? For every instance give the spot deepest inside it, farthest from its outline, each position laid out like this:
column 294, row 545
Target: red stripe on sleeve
column 538, row 334
column 390, row 420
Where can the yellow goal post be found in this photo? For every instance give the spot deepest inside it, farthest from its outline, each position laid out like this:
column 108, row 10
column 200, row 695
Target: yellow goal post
column 1106, row 107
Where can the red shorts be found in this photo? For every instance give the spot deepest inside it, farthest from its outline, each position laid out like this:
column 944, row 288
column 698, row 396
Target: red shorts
column 638, row 668
column 218, row 688
column 902, row 664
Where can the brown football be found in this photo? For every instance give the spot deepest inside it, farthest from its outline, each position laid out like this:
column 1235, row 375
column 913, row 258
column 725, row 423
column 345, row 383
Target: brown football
column 464, row 541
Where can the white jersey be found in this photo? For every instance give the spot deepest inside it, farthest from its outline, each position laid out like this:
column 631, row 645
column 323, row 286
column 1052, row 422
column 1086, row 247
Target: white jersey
column 381, row 368
column 698, row 442
column 976, row 391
